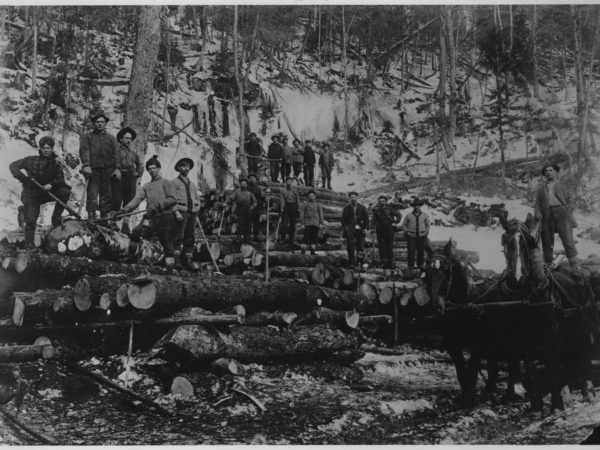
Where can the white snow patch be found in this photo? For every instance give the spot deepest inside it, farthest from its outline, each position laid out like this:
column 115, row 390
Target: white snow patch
column 336, row 426
column 400, row 407
column 50, row 394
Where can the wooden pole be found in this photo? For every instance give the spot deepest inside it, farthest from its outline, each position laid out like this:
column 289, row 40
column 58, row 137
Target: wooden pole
column 268, row 236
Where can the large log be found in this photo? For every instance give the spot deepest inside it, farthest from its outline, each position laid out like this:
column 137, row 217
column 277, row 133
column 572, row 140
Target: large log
column 335, row 259
column 256, row 344
column 41, row 349
column 277, row 318
column 322, row 194
column 40, row 307
column 169, row 293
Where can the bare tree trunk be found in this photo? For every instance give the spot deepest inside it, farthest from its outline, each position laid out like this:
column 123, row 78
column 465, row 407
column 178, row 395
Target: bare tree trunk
column 34, row 65
column 238, row 81
column 203, row 24
column 450, row 45
column 441, row 91
column 344, row 66
column 580, row 82
column 319, row 38
column 141, row 84
column 195, row 22
column 534, row 60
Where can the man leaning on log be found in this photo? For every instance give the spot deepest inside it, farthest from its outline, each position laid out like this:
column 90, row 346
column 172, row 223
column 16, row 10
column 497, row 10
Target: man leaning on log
column 160, row 203
column 46, row 170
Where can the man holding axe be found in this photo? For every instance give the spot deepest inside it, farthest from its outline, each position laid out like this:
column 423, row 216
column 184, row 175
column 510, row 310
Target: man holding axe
column 43, row 182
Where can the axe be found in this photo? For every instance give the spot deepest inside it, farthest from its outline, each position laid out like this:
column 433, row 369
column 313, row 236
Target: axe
column 59, row 201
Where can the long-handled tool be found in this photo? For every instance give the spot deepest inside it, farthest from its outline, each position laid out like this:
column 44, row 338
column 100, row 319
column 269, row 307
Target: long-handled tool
column 277, row 230
column 83, row 194
column 56, row 199
column 208, row 247
column 268, row 192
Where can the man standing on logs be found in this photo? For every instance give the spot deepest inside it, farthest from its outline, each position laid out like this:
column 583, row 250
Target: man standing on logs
column 289, row 202
column 326, row 163
column 184, row 212
column 274, row 155
column 244, row 203
column 297, row 159
column 286, row 159
column 260, row 200
column 309, row 164
column 131, row 170
column 355, row 220
column 253, row 153
column 101, row 162
column 160, row 200
column 384, row 219
column 46, row 170
column 416, row 228
column 554, row 208
column 311, row 218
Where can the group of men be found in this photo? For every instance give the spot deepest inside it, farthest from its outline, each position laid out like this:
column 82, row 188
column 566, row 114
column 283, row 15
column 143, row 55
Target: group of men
column 297, row 159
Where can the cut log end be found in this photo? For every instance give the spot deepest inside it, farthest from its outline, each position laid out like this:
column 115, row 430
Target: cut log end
column 215, row 250
column 121, row 296
column 405, row 299
column 421, row 296
column 18, row 312
column 368, row 291
column 21, row 263
column 386, row 295
column 142, row 294
column 8, row 263
column 82, row 295
column 257, row 259
column 104, row 301
column 246, row 250
column 183, row 387
column 352, row 319
column 347, row 277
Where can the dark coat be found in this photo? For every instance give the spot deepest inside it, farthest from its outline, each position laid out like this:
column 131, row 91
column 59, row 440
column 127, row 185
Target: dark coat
column 309, row 156
column 43, row 170
column 100, row 151
column 350, row 220
column 253, row 148
column 275, row 151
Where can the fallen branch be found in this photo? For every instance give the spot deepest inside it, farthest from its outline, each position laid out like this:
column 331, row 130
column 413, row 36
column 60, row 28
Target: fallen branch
column 254, row 400
column 15, row 421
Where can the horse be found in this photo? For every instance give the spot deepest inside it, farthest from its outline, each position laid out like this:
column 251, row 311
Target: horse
column 458, row 301
column 570, row 300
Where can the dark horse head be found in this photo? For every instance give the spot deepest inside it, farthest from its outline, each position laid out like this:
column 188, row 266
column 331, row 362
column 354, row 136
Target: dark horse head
column 447, row 279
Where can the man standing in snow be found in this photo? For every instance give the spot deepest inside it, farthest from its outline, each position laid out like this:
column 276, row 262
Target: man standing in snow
column 46, row 170
column 416, row 228
column 275, row 154
column 160, row 200
column 553, row 207
column 243, row 202
column 184, row 212
column 101, row 162
column 384, row 219
column 309, row 164
column 253, row 153
column 355, row 220
column 326, row 163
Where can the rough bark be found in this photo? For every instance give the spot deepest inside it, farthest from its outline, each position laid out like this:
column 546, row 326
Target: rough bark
column 277, row 318
column 256, row 345
column 24, row 353
column 141, row 84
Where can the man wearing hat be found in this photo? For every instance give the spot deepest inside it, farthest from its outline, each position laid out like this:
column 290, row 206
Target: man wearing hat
column 260, row 200
column 160, row 200
column 309, row 164
column 46, row 170
column 184, row 212
column 355, row 220
column 298, row 158
column 253, row 153
column 289, row 202
column 243, row 203
column 131, row 170
column 416, row 228
column 553, row 208
column 326, row 163
column 274, row 155
column 384, row 219
column 287, row 158
column 312, row 219
column 101, row 162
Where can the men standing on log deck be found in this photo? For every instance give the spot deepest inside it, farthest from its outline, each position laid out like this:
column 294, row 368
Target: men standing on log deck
column 274, row 155
column 131, row 170
column 184, row 211
column 243, row 202
column 326, row 163
column 309, row 164
column 260, row 200
column 101, row 162
column 286, row 158
column 253, row 153
column 289, row 202
column 311, row 218
column 47, row 171
column 298, row 159
column 384, row 219
column 355, row 220
column 160, row 200
column 416, row 228
column 553, row 207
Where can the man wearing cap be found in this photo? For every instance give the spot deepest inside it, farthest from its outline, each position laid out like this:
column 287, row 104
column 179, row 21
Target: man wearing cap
column 160, row 200
column 131, row 170
column 416, row 229
column 253, row 153
column 309, row 164
column 326, row 163
column 297, row 158
column 243, row 203
column 311, row 218
column 384, row 219
column 184, row 212
column 101, row 162
column 47, row 171
column 553, row 208
column 260, row 200
column 289, row 202
column 274, row 155
column 286, row 158
column 355, row 220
